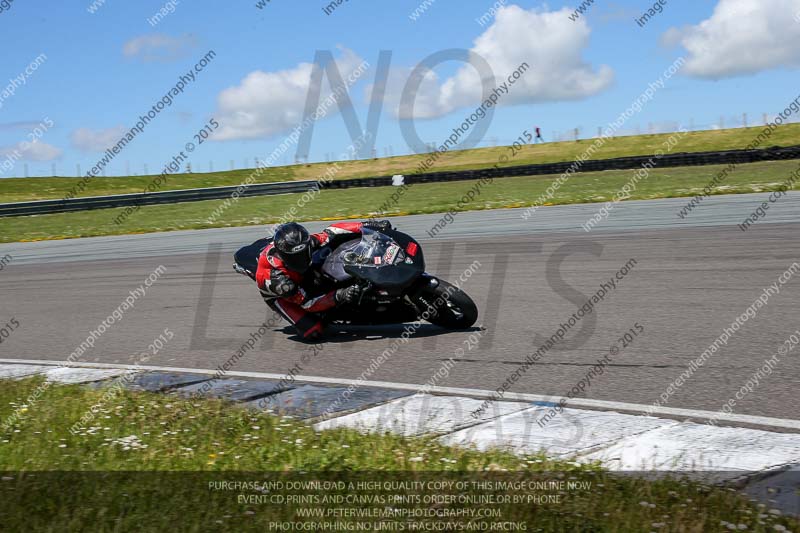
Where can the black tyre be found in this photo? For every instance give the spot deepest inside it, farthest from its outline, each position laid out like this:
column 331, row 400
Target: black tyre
column 448, row 306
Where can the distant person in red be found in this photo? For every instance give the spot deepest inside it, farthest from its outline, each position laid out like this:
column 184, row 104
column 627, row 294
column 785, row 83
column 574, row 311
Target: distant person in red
column 538, row 138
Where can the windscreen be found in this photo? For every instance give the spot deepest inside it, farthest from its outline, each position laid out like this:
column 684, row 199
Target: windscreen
column 375, row 250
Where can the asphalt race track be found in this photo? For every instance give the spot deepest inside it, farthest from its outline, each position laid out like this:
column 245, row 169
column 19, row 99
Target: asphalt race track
column 691, row 279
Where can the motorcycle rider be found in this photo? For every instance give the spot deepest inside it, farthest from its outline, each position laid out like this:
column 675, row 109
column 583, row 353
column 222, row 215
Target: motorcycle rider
column 287, row 282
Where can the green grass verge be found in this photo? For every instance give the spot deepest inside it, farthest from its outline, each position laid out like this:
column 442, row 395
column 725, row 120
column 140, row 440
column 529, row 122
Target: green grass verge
column 22, row 189
column 56, row 480
column 423, row 198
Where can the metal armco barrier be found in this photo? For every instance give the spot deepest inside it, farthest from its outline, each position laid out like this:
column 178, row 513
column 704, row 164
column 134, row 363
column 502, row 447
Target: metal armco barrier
column 265, row 189
column 682, row 159
column 167, row 197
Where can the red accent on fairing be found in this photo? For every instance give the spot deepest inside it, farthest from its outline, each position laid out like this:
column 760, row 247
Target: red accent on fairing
column 412, row 249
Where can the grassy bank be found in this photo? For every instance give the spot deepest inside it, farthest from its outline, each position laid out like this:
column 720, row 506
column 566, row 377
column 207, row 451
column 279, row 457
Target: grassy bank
column 129, row 470
column 21, row 189
column 427, row 198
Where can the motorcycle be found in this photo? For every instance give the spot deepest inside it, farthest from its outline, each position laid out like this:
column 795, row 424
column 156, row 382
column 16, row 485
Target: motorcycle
column 390, row 267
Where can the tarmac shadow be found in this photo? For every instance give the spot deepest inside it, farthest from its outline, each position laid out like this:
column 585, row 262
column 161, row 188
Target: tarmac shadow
column 336, row 333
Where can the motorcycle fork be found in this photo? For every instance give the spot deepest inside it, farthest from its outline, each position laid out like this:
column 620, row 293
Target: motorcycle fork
column 425, row 281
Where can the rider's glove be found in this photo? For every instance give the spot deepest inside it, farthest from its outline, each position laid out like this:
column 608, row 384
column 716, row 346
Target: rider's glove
column 348, row 295
column 282, row 285
column 378, row 225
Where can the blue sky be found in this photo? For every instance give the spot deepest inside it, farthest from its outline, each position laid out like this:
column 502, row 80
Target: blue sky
column 92, row 89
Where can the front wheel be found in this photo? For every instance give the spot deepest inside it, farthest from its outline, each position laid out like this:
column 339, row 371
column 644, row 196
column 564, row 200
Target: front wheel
column 447, row 306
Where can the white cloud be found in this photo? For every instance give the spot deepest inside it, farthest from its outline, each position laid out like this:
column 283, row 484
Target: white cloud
column 267, row 103
column 158, row 47
column 741, row 37
column 35, row 151
column 39, row 151
column 96, row 140
column 548, row 41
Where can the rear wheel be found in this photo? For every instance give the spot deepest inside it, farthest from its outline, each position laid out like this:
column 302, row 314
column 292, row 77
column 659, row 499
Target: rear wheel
column 448, row 306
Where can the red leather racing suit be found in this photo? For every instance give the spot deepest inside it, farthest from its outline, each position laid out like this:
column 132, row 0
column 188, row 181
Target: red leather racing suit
column 297, row 306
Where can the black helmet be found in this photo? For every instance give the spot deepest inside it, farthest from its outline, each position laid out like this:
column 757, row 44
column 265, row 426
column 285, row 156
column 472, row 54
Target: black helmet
column 293, row 246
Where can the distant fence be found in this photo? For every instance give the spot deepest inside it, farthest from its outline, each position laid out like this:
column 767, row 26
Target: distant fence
column 682, row 159
column 265, row 189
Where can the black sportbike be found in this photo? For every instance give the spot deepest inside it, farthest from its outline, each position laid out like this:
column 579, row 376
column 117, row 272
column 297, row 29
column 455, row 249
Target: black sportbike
column 390, row 267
